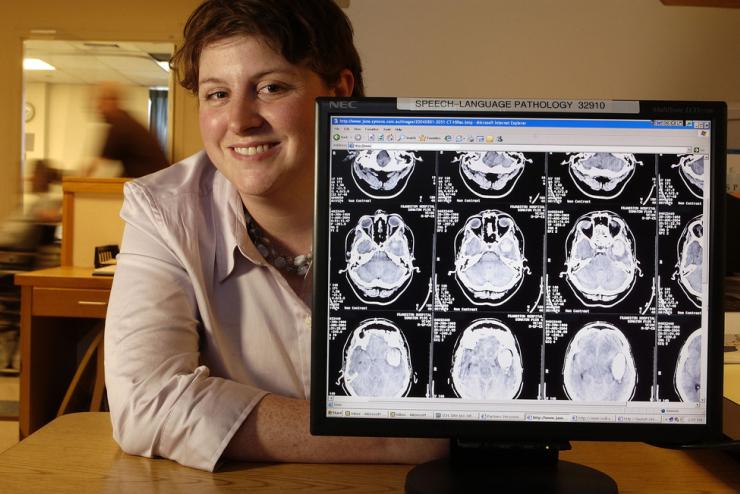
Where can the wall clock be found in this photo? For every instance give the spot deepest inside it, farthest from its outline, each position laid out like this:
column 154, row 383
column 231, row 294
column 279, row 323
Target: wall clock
column 29, row 111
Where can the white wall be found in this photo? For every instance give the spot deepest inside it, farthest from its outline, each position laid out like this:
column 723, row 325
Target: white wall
column 611, row 49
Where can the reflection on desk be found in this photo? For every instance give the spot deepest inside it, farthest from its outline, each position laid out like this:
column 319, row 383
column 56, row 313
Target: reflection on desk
column 75, row 453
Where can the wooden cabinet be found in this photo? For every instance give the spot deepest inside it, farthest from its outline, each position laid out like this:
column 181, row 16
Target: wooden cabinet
column 62, row 312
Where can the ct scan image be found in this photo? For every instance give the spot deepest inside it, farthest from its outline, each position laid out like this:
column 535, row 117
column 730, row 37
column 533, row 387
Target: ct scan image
column 376, row 356
column 380, row 257
column 681, row 270
column 682, row 178
column 491, row 174
column 384, row 263
column 382, row 174
column 687, row 378
column 689, row 262
column 510, row 177
column 602, row 177
column 679, row 358
column 594, row 259
column 496, row 357
column 601, row 358
column 401, row 176
column 492, row 258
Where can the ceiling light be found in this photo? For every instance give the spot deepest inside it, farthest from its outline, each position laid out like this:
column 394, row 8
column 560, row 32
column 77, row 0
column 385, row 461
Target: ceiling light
column 165, row 65
column 36, row 64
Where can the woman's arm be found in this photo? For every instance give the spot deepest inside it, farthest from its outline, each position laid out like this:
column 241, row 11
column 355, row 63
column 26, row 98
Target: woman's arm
column 277, row 430
column 163, row 402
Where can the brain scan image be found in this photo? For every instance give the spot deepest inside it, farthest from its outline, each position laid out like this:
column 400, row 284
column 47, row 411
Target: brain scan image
column 599, row 365
column 690, row 259
column 489, row 257
column 691, row 169
column 487, row 362
column 377, row 361
column 688, row 369
column 380, row 257
column 491, row 173
column 601, row 175
column 600, row 261
column 382, row 174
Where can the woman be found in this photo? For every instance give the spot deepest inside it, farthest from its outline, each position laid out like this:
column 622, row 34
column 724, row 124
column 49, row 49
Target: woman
column 208, row 329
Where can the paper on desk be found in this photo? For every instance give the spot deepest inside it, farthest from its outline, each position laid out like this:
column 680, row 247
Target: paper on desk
column 105, row 270
column 732, row 342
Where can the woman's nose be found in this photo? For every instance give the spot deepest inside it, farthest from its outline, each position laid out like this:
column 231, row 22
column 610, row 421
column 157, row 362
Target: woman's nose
column 243, row 116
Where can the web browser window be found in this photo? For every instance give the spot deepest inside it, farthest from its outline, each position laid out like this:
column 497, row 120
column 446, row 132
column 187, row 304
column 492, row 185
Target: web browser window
column 517, row 269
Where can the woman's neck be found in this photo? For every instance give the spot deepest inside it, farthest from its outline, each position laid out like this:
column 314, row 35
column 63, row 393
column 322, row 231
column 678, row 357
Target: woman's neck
column 288, row 224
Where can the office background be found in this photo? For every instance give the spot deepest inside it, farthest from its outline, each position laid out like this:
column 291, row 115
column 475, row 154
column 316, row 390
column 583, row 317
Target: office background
column 469, row 48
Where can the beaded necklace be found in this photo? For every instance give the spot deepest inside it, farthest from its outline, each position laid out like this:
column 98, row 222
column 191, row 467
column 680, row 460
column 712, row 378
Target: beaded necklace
column 298, row 265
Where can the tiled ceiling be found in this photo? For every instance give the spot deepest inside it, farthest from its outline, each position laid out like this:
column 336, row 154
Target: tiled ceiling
column 89, row 62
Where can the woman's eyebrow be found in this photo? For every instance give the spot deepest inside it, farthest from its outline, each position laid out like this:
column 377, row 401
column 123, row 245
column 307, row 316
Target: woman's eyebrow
column 267, row 72
column 208, row 80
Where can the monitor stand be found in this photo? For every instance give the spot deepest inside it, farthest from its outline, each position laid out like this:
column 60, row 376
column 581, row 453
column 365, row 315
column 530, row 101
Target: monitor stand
column 479, row 466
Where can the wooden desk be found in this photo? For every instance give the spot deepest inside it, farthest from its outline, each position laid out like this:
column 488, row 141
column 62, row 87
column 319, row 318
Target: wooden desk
column 75, row 454
column 731, row 410
column 59, row 307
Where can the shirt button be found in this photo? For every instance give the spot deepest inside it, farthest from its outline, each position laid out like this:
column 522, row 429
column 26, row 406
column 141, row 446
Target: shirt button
column 307, row 322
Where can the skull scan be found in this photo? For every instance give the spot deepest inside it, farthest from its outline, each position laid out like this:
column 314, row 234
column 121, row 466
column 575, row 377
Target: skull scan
column 601, row 175
column 687, row 379
column 690, row 259
column 599, row 365
column 489, row 257
column 600, row 261
column 377, row 361
column 487, row 362
column 382, row 174
column 691, row 170
column 491, row 173
column 379, row 252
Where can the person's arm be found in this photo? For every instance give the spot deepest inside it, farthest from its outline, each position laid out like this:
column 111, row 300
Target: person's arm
column 277, row 430
column 163, row 402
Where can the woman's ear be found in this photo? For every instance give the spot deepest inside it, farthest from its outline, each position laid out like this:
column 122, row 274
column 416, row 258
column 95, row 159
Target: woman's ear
column 345, row 84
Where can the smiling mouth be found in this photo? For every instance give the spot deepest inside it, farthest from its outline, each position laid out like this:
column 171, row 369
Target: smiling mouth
column 253, row 150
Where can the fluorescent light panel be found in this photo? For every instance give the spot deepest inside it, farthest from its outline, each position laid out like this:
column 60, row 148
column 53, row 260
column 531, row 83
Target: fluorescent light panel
column 36, row 64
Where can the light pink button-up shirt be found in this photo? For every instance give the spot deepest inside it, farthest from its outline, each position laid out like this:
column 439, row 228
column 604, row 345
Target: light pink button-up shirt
column 199, row 327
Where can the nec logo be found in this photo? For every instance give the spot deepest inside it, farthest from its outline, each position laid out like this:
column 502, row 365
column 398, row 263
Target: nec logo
column 343, row 105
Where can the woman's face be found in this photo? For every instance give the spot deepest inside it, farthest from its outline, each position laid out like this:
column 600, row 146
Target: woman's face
column 257, row 117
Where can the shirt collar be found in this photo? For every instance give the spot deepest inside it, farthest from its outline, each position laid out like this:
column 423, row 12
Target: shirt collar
column 232, row 238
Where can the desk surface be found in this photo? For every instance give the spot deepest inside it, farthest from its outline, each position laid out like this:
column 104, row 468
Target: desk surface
column 75, row 454
column 63, row 277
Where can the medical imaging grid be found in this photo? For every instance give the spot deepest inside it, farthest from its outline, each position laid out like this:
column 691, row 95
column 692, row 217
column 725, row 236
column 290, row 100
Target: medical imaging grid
column 466, row 271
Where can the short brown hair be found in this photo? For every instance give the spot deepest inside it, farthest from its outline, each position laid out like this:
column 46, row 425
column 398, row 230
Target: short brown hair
column 313, row 33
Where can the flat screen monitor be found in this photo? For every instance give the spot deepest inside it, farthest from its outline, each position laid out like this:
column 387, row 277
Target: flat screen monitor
column 518, row 271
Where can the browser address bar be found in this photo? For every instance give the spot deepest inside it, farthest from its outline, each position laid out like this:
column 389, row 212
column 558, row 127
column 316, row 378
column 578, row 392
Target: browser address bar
column 601, row 148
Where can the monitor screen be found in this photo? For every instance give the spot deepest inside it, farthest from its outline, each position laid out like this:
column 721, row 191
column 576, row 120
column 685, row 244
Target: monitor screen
column 518, row 269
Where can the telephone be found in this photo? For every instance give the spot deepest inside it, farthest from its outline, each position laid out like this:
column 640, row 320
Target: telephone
column 105, row 260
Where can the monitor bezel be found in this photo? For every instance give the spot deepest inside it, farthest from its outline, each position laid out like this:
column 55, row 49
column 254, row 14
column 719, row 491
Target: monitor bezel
column 320, row 424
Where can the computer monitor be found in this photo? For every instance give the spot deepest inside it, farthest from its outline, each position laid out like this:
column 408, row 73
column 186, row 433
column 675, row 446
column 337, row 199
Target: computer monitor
column 518, row 272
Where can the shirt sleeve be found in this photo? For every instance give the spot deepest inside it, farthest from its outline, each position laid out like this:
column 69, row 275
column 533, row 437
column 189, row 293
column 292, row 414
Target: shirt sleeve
column 162, row 402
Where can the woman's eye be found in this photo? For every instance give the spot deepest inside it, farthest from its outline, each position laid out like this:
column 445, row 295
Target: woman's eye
column 270, row 89
column 216, row 95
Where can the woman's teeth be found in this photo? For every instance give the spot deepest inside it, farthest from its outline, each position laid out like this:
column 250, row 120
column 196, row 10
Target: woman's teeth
column 252, row 150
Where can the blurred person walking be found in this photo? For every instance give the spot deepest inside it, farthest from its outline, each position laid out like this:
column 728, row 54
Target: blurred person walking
column 128, row 141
